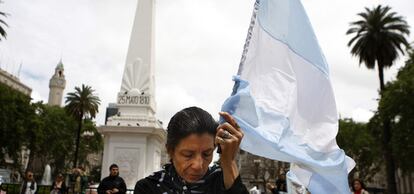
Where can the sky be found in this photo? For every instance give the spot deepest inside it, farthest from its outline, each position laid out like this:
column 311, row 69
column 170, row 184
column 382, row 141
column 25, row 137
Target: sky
column 198, row 48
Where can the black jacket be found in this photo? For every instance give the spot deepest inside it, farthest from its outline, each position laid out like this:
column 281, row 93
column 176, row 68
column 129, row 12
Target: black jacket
column 167, row 181
column 111, row 182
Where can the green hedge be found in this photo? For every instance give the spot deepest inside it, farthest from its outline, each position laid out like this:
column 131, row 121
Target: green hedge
column 14, row 188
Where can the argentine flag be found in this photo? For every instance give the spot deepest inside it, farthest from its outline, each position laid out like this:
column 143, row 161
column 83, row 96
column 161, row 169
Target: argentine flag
column 283, row 98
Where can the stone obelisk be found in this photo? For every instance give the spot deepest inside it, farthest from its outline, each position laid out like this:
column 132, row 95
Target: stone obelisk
column 133, row 138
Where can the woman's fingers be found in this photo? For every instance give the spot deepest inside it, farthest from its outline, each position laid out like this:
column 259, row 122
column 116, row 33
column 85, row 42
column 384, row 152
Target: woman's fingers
column 227, row 117
column 231, row 129
column 226, row 135
column 220, row 140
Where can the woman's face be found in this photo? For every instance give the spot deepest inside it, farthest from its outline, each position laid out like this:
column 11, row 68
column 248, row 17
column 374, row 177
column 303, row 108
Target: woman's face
column 192, row 156
column 29, row 176
column 357, row 185
column 59, row 178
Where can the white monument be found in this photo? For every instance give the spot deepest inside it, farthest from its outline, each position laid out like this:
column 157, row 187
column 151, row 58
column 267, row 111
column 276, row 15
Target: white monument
column 133, row 138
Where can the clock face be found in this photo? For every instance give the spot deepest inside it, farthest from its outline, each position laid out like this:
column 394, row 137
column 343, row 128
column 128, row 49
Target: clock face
column 60, row 82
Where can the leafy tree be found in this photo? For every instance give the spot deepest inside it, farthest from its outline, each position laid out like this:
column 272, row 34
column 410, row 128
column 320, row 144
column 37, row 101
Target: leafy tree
column 50, row 137
column 59, row 127
column 46, row 130
column 34, row 135
column 91, row 141
column 358, row 142
column 38, row 127
column 3, row 24
column 397, row 105
column 83, row 102
column 15, row 118
column 379, row 38
column 410, row 59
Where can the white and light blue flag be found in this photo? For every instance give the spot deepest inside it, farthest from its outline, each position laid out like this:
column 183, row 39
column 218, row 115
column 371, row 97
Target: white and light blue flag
column 283, row 98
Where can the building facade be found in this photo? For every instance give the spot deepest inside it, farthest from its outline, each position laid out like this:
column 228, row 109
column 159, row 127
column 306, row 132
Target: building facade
column 14, row 82
column 257, row 171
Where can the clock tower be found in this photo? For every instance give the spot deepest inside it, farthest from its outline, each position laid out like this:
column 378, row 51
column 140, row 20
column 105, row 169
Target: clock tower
column 56, row 86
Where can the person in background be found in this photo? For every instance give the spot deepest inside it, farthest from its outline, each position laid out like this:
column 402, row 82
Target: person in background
column 192, row 136
column 84, row 180
column 29, row 185
column 113, row 183
column 281, row 182
column 358, row 187
column 2, row 191
column 14, row 177
column 271, row 188
column 77, row 178
column 58, row 186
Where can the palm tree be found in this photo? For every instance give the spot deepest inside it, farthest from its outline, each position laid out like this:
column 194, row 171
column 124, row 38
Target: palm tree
column 83, row 102
column 379, row 37
column 3, row 23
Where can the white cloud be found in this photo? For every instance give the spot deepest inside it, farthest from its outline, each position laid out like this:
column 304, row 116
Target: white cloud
column 172, row 98
column 361, row 115
column 36, row 97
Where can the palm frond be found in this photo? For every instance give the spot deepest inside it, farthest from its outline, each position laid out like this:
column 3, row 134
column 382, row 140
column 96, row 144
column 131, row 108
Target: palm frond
column 2, row 30
column 378, row 37
column 82, row 102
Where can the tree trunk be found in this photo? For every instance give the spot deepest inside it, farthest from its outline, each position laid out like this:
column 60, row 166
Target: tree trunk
column 386, row 142
column 32, row 153
column 381, row 78
column 59, row 165
column 388, row 156
column 31, row 159
column 77, row 141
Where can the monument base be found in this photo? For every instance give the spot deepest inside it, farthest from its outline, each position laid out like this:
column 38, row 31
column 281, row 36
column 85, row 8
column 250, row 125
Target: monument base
column 138, row 151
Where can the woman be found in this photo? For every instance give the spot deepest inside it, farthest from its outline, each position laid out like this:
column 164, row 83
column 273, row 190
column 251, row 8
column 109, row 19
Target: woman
column 191, row 139
column 29, row 185
column 58, row 186
column 358, row 187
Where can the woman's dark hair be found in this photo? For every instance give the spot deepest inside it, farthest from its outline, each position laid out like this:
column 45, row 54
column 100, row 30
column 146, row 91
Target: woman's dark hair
column 191, row 120
column 360, row 182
